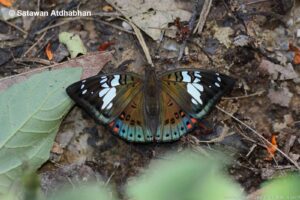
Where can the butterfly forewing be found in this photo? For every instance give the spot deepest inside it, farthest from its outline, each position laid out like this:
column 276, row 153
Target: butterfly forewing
column 196, row 91
column 105, row 96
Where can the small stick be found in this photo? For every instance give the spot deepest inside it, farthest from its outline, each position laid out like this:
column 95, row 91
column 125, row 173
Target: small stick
column 196, row 10
column 203, row 15
column 139, row 36
column 15, row 26
column 83, row 18
column 34, row 60
column 258, row 93
column 28, row 50
column 251, row 150
column 260, row 136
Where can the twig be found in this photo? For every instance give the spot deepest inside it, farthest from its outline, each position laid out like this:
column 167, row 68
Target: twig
column 260, row 136
column 109, row 178
column 140, row 38
column 256, row 1
column 55, row 25
column 251, row 150
column 114, row 26
column 15, row 26
column 203, row 16
column 258, row 93
column 34, row 60
column 196, row 11
column 28, row 50
column 83, row 18
column 106, row 14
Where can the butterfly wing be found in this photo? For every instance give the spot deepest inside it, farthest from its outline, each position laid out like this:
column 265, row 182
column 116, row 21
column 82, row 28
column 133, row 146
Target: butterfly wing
column 195, row 91
column 105, row 96
column 174, row 122
column 130, row 124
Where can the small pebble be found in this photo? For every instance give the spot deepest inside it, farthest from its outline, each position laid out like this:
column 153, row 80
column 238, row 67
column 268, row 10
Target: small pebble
column 298, row 33
column 126, row 26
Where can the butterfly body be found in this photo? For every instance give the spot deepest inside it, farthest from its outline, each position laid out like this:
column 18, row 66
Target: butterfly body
column 154, row 108
column 151, row 89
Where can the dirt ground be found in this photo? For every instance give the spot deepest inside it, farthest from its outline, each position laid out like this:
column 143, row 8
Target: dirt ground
column 257, row 42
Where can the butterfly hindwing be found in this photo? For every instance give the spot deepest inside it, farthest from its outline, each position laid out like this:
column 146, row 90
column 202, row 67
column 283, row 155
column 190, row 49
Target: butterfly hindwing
column 105, row 96
column 195, row 91
column 174, row 122
column 130, row 124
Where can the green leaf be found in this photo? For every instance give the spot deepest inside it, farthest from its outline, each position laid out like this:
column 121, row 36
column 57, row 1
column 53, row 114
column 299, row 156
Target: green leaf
column 282, row 188
column 31, row 113
column 73, row 42
column 184, row 176
column 89, row 191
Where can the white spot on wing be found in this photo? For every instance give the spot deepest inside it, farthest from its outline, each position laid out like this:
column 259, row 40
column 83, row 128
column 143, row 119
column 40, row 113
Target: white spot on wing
column 219, row 79
column 199, row 87
column 194, row 92
column 197, row 74
column 84, row 91
column 109, row 97
column 105, row 85
column 196, row 80
column 82, row 86
column 194, row 101
column 217, row 84
column 103, row 92
column 103, row 80
column 115, row 80
column 109, row 105
column 83, row 81
column 186, row 76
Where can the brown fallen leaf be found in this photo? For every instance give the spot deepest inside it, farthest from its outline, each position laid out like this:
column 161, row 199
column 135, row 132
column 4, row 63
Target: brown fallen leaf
column 91, row 63
column 278, row 71
column 296, row 50
column 281, row 96
column 7, row 3
column 107, row 8
column 48, row 51
column 152, row 17
column 272, row 148
column 105, row 45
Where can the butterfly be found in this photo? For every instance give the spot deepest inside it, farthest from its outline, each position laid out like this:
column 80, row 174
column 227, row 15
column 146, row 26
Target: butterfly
column 159, row 107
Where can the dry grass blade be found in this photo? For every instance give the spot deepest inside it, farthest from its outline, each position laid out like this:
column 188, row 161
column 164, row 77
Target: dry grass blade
column 260, row 136
column 140, row 37
column 203, row 15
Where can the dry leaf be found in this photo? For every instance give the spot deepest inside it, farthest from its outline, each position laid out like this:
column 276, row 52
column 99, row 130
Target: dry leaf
column 153, row 17
column 281, row 96
column 278, row 71
column 223, row 35
column 7, row 3
column 107, row 8
column 296, row 50
column 272, row 148
column 91, row 63
column 48, row 51
column 105, row 45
